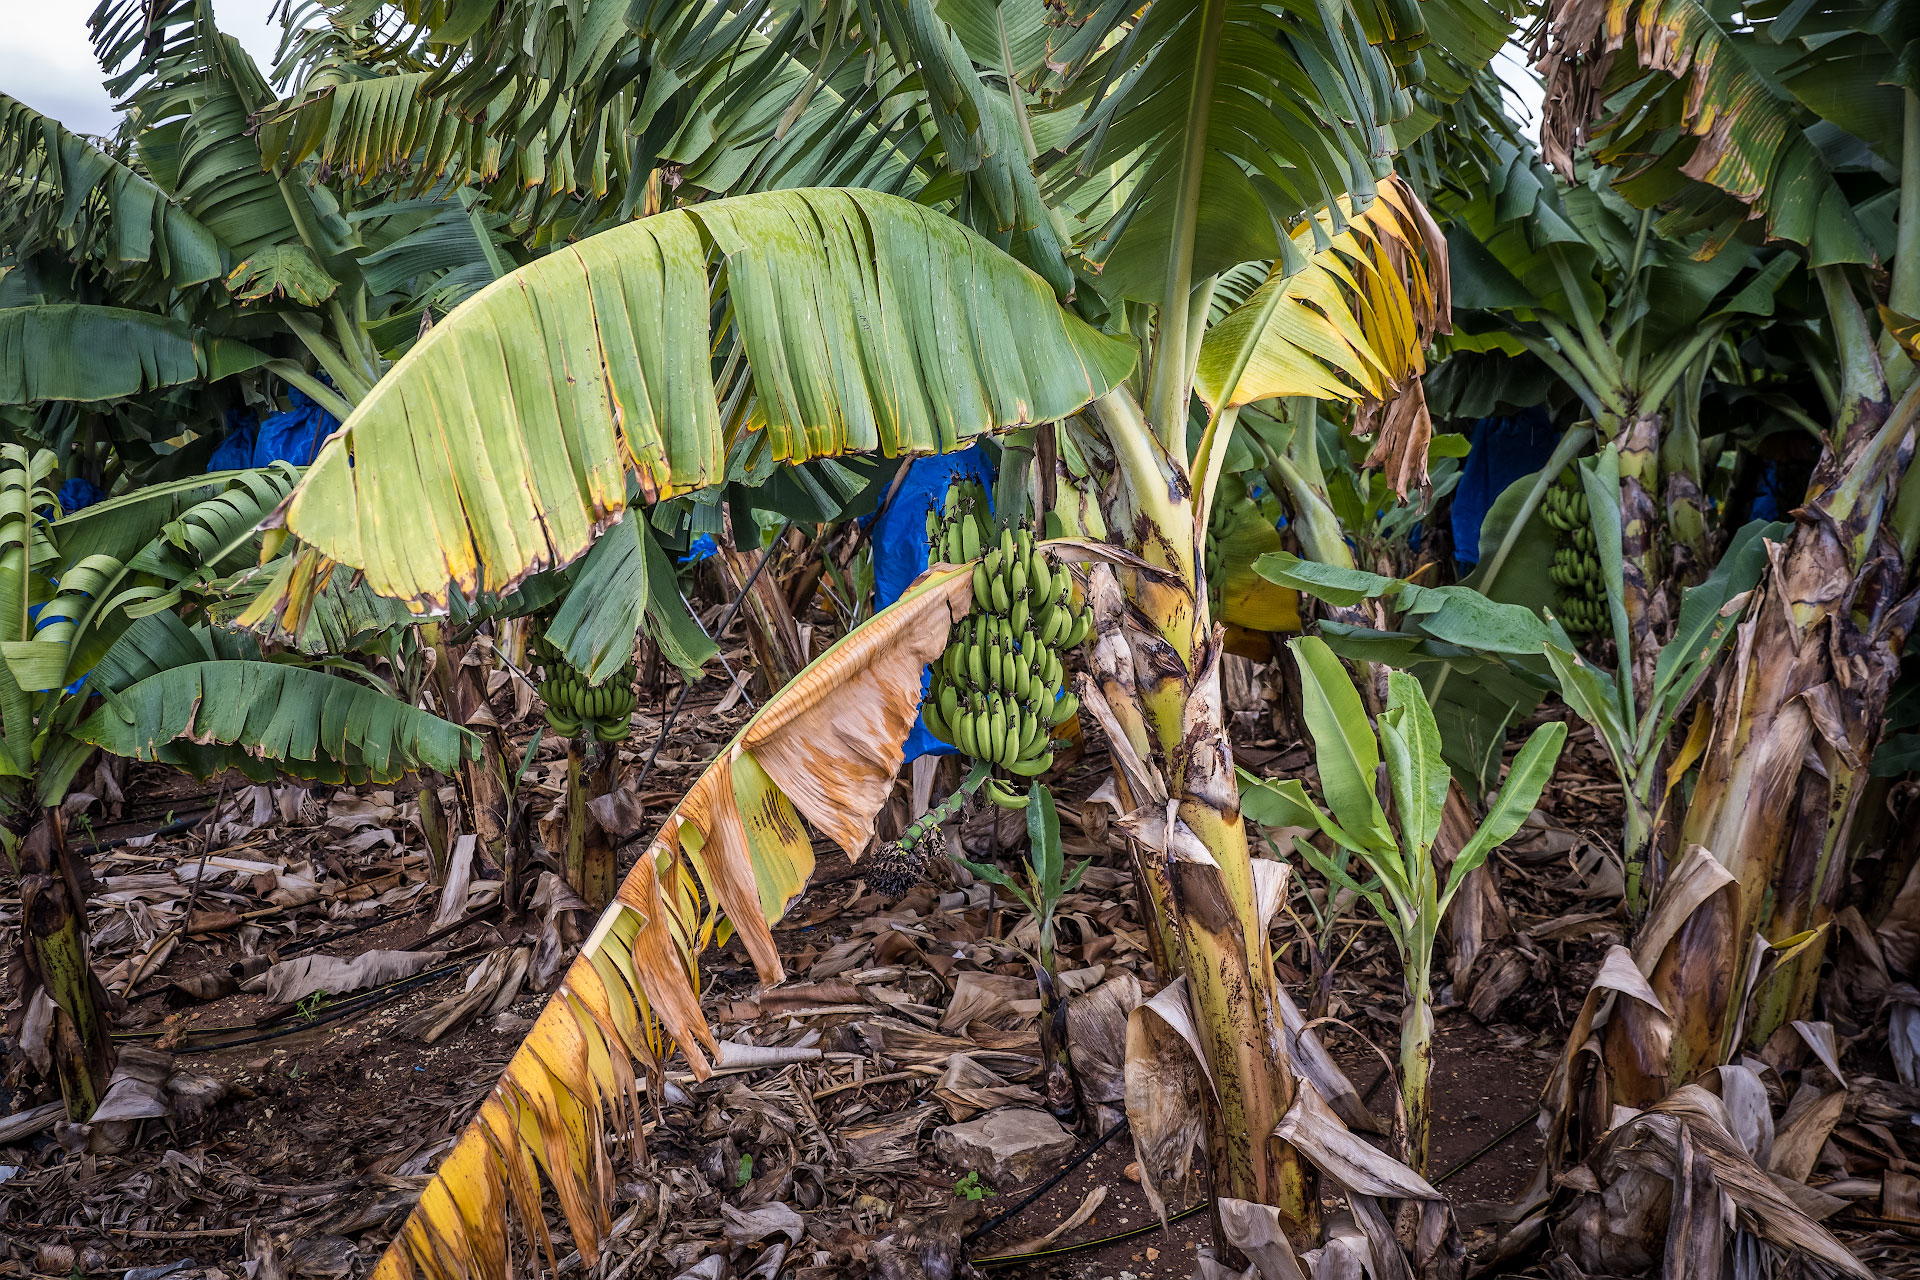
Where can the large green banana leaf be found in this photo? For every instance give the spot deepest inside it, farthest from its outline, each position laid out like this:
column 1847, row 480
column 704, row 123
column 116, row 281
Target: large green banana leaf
column 205, row 700
column 500, row 445
column 195, row 90
column 65, row 191
column 564, row 113
column 72, row 351
column 1305, row 103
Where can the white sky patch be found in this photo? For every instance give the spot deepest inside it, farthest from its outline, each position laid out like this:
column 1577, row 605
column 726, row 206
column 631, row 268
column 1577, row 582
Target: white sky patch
column 46, row 56
column 1524, row 94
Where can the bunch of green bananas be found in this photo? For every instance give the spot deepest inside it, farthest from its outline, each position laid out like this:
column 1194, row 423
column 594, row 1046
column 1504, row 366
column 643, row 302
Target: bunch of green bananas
column 999, row 689
column 958, row 536
column 605, row 710
column 1576, row 569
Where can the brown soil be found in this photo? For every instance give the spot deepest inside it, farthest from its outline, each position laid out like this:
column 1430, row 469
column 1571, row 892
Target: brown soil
column 328, row 1130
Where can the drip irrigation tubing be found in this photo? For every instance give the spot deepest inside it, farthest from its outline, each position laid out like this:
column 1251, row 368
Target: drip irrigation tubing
column 1062, row 1251
column 177, row 827
column 305, row 945
column 1078, row 1159
column 359, row 1002
column 1086, row 1246
column 362, row 1004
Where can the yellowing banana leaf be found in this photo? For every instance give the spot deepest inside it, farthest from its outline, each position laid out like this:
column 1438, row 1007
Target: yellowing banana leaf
column 1352, row 324
column 845, row 321
column 825, row 749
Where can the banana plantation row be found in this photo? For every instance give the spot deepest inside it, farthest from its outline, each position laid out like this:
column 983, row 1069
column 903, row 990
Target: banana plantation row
column 1080, row 351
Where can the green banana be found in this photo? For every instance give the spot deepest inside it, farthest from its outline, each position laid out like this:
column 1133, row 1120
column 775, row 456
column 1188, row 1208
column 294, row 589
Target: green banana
column 1031, row 768
column 937, row 723
column 1082, row 623
column 1040, row 579
column 964, row 735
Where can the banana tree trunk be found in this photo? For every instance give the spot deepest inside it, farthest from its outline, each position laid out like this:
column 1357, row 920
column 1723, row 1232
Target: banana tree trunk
column 1649, row 617
column 1416, row 1057
column 1202, row 886
column 589, row 849
column 481, row 785
column 773, row 633
column 54, row 929
column 1690, row 536
column 1807, row 678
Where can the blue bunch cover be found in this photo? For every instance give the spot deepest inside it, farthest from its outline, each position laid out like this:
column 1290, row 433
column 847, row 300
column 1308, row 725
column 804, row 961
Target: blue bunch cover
column 292, row 436
column 898, row 534
column 78, row 493
column 1501, row 450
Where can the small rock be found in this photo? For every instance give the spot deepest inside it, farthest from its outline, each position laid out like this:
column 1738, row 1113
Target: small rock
column 1009, row 1146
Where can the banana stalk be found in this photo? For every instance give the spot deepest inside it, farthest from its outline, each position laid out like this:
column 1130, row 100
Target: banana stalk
column 590, row 867
column 1643, row 557
column 1202, row 887
column 53, row 917
column 1808, row 678
column 460, row 689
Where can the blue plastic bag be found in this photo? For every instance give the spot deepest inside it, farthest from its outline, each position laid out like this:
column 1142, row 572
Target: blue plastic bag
column 899, row 538
column 1501, row 451
column 291, row 436
column 78, row 493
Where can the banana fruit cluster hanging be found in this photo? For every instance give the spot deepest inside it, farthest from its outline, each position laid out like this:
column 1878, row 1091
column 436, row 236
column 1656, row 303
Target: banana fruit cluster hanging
column 1576, row 569
column 999, row 689
column 605, row 710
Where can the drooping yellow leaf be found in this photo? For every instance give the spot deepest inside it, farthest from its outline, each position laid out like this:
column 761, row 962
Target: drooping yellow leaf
column 1351, row 325
column 827, row 747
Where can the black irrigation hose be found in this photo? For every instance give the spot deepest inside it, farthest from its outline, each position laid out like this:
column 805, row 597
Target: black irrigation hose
column 1085, row 1246
column 171, row 829
column 1491, row 1143
column 308, row 944
column 1015, row 1259
column 346, row 1009
column 1079, row 1159
column 360, row 1002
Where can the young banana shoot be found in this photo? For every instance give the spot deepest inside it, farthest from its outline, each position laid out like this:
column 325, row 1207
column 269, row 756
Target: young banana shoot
column 1406, row 889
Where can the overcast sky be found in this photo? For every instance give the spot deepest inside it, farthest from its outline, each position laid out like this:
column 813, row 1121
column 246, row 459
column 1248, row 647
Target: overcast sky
column 46, row 59
column 46, row 55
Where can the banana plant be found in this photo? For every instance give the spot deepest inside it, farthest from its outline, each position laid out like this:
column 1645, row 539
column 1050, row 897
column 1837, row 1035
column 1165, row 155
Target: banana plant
column 1406, row 891
column 106, row 643
column 1047, row 881
column 1798, row 703
column 806, row 322
column 1620, row 314
column 1450, row 634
